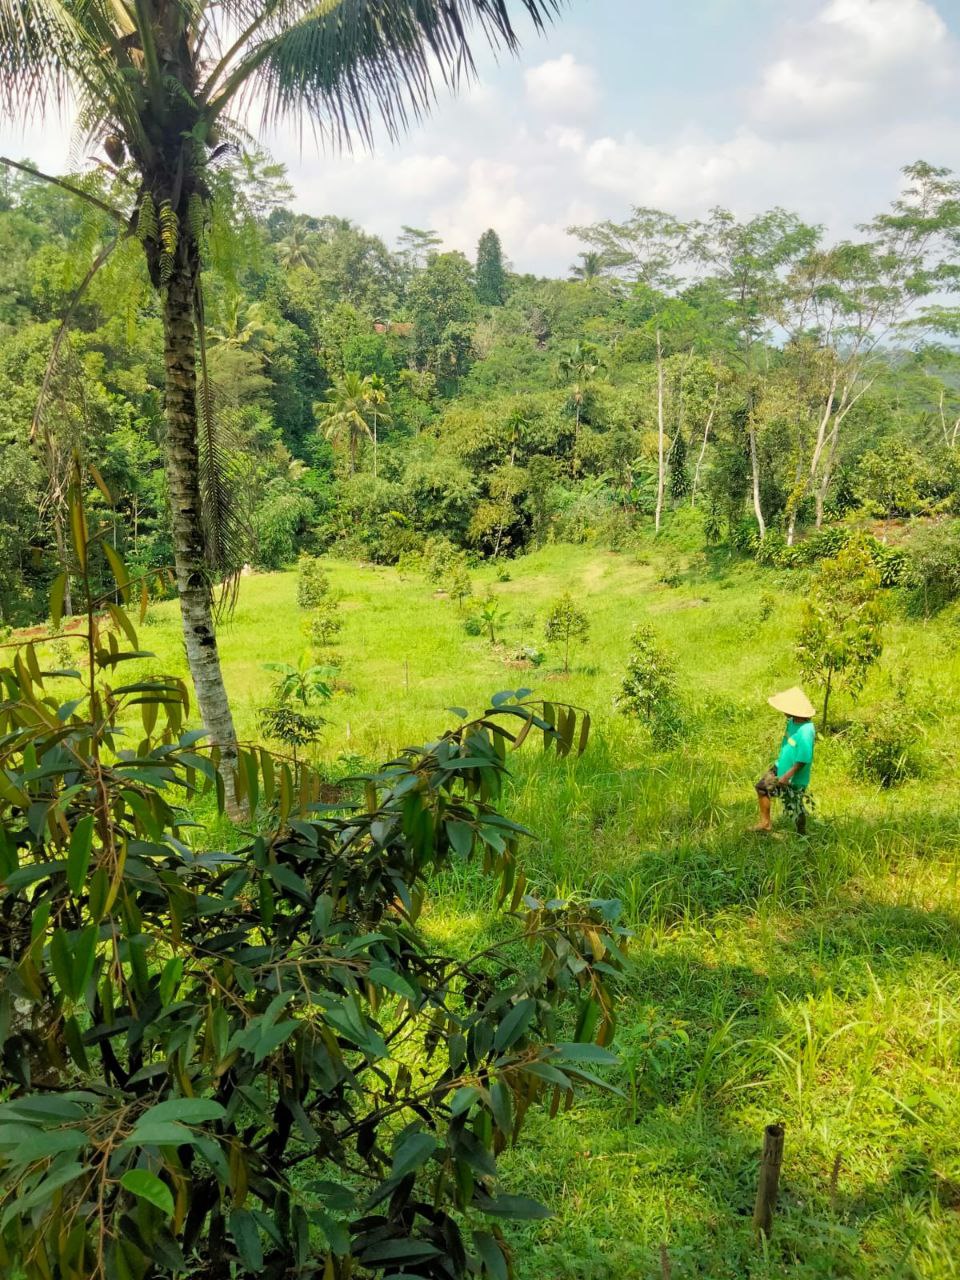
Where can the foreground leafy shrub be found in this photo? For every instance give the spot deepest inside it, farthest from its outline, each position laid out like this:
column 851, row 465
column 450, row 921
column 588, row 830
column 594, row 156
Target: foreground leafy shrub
column 887, row 747
column 250, row 1063
column 649, row 689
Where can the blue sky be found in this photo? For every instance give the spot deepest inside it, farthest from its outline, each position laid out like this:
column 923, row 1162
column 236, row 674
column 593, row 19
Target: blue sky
column 682, row 104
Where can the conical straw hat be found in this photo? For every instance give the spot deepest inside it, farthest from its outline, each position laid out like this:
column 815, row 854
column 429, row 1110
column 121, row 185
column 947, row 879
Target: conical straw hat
column 793, row 702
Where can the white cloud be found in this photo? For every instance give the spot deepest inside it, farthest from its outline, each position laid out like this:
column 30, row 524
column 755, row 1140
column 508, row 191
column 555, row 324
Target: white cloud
column 684, row 174
column 562, row 87
column 857, row 60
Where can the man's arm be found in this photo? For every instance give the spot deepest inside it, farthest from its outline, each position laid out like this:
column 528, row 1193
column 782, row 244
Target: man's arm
column 784, row 778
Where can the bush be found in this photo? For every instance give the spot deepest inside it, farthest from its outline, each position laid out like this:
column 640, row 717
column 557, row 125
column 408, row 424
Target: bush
column 671, row 574
column 290, row 716
column 324, row 623
column 771, row 550
column 841, row 634
column 886, row 747
column 438, row 558
column 312, row 582
column 932, row 569
column 649, row 690
column 566, row 623
column 457, row 582
column 890, row 562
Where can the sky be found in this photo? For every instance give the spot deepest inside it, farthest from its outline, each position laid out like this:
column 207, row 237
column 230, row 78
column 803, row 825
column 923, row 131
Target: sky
column 811, row 104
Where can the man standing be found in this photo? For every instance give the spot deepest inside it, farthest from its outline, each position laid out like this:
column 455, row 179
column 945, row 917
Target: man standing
column 790, row 776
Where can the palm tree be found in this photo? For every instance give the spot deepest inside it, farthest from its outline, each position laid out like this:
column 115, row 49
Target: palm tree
column 342, row 414
column 239, row 325
column 375, row 395
column 577, row 367
column 159, row 84
column 296, row 249
column 589, row 268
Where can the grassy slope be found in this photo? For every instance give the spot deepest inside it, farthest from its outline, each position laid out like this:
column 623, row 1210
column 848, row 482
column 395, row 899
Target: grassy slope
column 809, row 981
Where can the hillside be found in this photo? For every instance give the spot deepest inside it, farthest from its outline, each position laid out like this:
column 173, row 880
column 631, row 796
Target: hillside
column 813, row 981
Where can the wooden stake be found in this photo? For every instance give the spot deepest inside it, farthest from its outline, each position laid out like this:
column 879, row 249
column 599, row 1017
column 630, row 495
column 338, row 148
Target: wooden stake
column 769, row 1183
column 834, row 1179
column 665, row 1271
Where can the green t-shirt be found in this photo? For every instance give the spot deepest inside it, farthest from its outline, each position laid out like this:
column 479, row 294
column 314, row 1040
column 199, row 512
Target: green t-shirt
column 797, row 747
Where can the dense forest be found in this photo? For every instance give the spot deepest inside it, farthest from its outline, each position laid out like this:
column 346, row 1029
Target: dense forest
column 740, row 382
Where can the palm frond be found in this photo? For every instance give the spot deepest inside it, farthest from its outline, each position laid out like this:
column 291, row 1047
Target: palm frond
column 347, row 65
column 57, row 55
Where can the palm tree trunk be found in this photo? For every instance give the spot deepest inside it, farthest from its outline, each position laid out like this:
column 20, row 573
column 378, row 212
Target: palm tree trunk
column 183, row 479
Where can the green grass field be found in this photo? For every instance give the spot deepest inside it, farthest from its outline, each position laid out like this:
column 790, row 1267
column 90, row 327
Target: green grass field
column 812, row 981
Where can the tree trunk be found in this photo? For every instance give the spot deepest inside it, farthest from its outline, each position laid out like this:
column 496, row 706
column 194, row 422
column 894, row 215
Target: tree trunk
column 661, row 459
column 796, row 497
column 703, row 446
column 826, row 698
column 823, row 486
column 755, row 469
column 183, row 478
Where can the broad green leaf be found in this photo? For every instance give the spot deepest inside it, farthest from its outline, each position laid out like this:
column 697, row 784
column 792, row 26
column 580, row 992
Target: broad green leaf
column 514, row 1024
column 501, row 1104
column 45, row 1106
column 272, row 1037
column 395, row 982
column 120, row 575
column 518, row 1207
column 30, row 875
column 463, row 1099
column 163, row 1133
column 146, row 1185
column 491, row 1255
column 170, row 979
column 61, row 958
column 243, row 1228
column 460, row 835
column 84, row 958
column 585, row 1053
column 412, row 1152
column 48, row 1142
column 183, row 1110
column 404, row 1250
